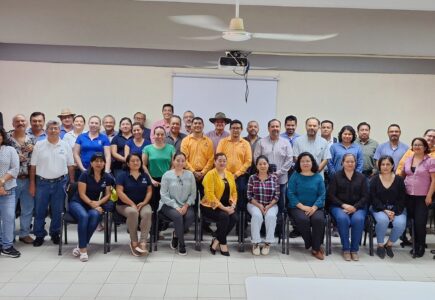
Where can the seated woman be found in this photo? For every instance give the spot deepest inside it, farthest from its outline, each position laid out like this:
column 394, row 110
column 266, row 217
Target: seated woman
column 348, row 196
column 387, row 195
column 306, row 194
column 87, row 205
column 134, row 194
column 263, row 196
column 219, row 202
column 178, row 194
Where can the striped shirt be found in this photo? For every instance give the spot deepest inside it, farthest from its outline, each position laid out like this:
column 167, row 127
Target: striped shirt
column 263, row 191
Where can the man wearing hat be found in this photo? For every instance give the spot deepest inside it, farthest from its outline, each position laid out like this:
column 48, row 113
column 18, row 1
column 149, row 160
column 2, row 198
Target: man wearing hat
column 219, row 121
column 67, row 118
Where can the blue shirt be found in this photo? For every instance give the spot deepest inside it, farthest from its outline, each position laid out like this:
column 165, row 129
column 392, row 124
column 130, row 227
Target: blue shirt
column 88, row 147
column 42, row 137
column 290, row 139
column 307, row 190
column 137, row 149
column 396, row 154
column 147, row 134
column 119, row 140
column 94, row 190
column 63, row 131
column 338, row 150
column 135, row 189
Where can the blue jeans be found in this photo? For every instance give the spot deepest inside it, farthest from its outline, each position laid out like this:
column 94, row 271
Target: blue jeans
column 87, row 219
column 53, row 194
column 356, row 223
column 7, row 219
column 382, row 222
column 27, row 203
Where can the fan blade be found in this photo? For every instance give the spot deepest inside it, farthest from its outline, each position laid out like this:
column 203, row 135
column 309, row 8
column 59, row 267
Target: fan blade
column 200, row 21
column 201, row 38
column 293, row 37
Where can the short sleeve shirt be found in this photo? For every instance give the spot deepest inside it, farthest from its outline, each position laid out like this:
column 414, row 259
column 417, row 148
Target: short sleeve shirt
column 159, row 160
column 418, row 182
column 88, row 147
column 135, row 189
column 136, row 149
column 94, row 190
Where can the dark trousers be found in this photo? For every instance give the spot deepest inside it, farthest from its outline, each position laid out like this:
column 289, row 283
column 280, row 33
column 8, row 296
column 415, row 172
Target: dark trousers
column 418, row 210
column 241, row 184
column 181, row 223
column 311, row 228
column 224, row 222
column 156, row 195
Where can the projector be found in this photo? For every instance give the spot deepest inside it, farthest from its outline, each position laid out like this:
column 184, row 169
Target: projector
column 233, row 61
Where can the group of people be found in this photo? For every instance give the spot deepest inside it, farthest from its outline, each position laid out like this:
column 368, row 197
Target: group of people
column 175, row 168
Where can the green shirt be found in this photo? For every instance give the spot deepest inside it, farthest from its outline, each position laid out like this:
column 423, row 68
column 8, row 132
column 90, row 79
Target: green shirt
column 159, row 160
column 368, row 149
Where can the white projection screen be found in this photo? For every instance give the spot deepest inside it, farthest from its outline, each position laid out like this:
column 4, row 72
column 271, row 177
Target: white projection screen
column 205, row 95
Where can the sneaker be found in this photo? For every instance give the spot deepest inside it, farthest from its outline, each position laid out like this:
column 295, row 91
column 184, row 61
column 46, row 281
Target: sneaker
column 76, row 252
column 38, row 242
column 11, row 252
column 174, row 241
column 84, row 257
column 55, row 239
column 346, row 256
column 266, row 249
column 354, row 256
column 182, row 249
column 26, row 239
column 389, row 251
column 380, row 251
column 256, row 249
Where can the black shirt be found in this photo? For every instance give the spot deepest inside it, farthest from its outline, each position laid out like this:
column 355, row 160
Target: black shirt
column 225, row 199
column 119, row 140
column 135, row 189
column 392, row 198
column 94, row 189
column 344, row 191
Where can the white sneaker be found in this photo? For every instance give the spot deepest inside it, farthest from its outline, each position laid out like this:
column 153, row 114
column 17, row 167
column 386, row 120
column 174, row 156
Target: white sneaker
column 265, row 250
column 84, row 257
column 76, row 252
column 256, row 249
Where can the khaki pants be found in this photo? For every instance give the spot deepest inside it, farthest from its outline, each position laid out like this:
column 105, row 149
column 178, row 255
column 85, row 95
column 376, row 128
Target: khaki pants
column 132, row 216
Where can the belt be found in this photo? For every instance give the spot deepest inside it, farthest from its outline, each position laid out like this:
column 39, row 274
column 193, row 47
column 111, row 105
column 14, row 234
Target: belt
column 23, row 176
column 51, row 180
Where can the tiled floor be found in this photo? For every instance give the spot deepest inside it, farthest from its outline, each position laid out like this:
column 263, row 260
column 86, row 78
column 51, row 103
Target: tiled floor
column 41, row 274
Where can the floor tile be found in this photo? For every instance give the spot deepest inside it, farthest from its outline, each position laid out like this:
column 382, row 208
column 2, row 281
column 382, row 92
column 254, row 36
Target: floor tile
column 61, row 277
column 116, row 290
column 179, row 291
column 149, row 290
column 214, row 290
column 83, row 290
column 237, row 291
column 50, row 290
column 91, row 277
column 123, row 277
column 183, row 278
column 213, row 278
column 17, row 289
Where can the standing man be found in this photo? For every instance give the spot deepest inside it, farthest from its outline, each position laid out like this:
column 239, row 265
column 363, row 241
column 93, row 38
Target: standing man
column 279, row 152
column 174, row 136
column 187, row 121
column 142, row 118
column 167, row 112
column 109, row 127
column 219, row 121
column 368, row 147
column 326, row 128
column 23, row 144
column 66, row 118
column 36, row 130
column 291, row 123
column 52, row 161
column 314, row 144
column 394, row 147
column 252, row 138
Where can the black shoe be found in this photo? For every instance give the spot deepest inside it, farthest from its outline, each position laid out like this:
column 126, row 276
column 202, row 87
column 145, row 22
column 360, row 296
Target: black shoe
column 38, row 242
column 389, row 251
column 55, row 239
column 182, row 249
column 213, row 251
column 294, row 234
column 380, row 251
column 420, row 251
column 224, row 253
column 11, row 252
column 174, row 241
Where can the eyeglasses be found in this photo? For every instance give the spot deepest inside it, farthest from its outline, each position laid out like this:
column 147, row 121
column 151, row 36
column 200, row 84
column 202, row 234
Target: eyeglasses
column 418, row 145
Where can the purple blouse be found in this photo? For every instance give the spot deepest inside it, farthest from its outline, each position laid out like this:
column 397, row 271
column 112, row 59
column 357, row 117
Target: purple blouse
column 418, row 183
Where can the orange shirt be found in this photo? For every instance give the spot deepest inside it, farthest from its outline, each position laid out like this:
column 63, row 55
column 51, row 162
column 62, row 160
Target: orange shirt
column 239, row 155
column 199, row 153
column 408, row 154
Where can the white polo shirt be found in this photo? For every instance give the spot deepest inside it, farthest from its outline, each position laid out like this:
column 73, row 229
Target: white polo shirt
column 52, row 160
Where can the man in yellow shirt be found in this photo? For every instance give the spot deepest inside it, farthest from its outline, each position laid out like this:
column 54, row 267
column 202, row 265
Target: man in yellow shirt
column 429, row 136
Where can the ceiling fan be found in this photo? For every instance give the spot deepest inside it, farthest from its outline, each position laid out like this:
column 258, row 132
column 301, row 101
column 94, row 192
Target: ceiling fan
column 236, row 31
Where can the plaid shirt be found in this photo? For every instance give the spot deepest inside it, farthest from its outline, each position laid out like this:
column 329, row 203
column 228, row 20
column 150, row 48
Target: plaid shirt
column 263, row 191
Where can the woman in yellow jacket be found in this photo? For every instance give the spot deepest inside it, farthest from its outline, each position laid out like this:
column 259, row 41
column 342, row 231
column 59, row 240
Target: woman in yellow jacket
column 219, row 202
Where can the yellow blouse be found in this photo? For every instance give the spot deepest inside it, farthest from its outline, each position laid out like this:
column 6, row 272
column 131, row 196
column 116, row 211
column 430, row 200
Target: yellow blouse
column 214, row 188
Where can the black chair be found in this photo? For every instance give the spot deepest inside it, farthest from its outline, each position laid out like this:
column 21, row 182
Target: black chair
column 118, row 219
column 67, row 218
column 291, row 221
column 162, row 219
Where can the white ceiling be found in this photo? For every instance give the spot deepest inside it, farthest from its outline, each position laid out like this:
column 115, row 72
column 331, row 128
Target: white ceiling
column 408, row 32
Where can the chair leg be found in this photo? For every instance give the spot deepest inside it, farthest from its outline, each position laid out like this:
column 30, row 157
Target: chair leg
column 61, row 231
column 241, row 232
column 109, row 231
column 156, row 232
column 65, row 231
column 413, row 239
column 287, row 238
column 106, row 225
column 329, row 230
column 283, row 223
column 371, row 230
column 197, row 239
column 327, row 241
column 115, row 228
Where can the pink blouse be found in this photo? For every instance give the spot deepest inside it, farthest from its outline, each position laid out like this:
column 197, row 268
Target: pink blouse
column 418, row 183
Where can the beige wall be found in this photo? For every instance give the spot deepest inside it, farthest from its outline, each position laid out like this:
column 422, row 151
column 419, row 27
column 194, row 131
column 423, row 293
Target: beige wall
column 345, row 98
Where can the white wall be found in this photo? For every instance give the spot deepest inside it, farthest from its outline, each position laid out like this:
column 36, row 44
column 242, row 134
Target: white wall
column 345, row 98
